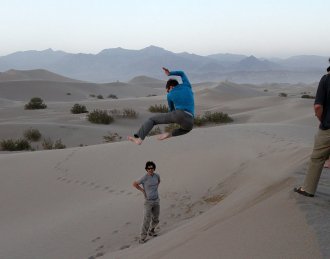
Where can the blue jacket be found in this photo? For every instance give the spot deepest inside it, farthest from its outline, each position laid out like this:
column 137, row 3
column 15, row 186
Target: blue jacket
column 181, row 97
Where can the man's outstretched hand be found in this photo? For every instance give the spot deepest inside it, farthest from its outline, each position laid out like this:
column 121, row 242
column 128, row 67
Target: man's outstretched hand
column 167, row 72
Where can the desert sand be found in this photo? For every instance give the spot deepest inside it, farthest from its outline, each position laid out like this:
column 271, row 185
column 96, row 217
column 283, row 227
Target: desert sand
column 226, row 190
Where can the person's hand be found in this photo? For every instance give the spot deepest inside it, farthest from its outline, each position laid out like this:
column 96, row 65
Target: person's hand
column 167, row 72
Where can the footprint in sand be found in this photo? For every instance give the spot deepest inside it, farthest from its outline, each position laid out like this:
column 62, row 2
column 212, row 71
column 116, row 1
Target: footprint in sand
column 96, row 239
column 99, row 248
column 124, row 247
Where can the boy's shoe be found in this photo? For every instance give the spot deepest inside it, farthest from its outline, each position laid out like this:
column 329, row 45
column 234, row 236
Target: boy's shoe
column 303, row 192
column 152, row 233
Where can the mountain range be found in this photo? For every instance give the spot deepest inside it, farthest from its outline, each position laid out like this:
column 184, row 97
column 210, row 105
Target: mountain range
column 118, row 64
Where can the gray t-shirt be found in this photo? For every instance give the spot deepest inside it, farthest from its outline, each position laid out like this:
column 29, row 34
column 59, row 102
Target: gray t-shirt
column 150, row 185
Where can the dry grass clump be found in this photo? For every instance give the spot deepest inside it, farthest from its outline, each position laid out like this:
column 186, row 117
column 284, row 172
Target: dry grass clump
column 158, row 108
column 212, row 117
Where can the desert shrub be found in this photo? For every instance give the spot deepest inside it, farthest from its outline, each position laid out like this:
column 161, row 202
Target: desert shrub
column 151, row 95
column 155, row 131
column 15, row 145
column 171, row 127
column 35, row 103
column 158, row 108
column 92, row 95
column 100, row 117
column 100, row 96
column 199, row 120
column 307, row 96
column 217, row 117
column 282, row 95
column 209, row 117
column 32, row 134
column 112, row 137
column 77, row 108
column 68, row 93
column 49, row 144
column 59, row 145
column 112, row 96
column 265, row 90
column 130, row 113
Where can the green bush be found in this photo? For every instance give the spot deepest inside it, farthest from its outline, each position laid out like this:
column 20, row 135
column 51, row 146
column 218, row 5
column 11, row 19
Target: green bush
column 100, row 96
column 32, row 134
column 282, row 95
column 15, row 145
column 158, row 108
column 217, row 117
column 209, row 117
column 100, row 117
column 59, row 145
column 35, row 103
column 112, row 96
column 130, row 113
column 200, row 120
column 77, row 108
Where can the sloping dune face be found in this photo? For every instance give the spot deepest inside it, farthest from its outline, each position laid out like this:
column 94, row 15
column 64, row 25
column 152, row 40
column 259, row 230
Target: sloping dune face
column 78, row 203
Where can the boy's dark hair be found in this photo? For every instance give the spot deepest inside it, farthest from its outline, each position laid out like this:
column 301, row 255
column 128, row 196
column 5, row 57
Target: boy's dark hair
column 150, row 163
column 328, row 69
column 171, row 82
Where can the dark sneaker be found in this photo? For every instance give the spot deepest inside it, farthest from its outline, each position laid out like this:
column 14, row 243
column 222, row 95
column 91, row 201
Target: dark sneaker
column 152, row 233
column 302, row 192
column 142, row 240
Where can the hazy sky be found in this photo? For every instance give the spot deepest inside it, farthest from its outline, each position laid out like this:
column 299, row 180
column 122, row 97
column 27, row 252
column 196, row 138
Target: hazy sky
column 264, row 28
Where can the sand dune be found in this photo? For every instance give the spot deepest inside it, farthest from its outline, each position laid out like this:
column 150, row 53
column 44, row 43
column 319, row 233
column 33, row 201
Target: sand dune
column 226, row 191
column 37, row 74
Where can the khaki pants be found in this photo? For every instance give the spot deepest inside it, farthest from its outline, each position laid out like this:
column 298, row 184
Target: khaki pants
column 319, row 155
column 151, row 217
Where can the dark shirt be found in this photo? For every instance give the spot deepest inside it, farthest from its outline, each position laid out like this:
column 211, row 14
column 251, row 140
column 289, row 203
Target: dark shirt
column 323, row 98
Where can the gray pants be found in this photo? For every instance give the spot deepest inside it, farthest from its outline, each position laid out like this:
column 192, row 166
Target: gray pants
column 319, row 155
column 151, row 217
column 185, row 121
